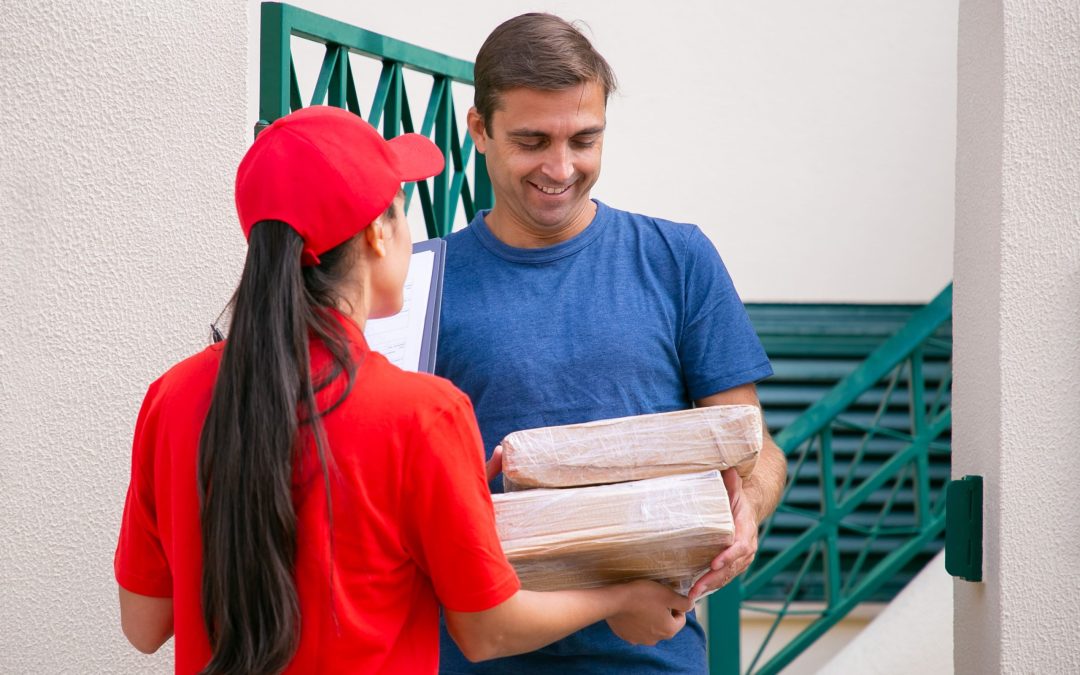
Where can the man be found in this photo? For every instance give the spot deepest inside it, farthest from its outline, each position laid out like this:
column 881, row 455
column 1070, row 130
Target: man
column 560, row 309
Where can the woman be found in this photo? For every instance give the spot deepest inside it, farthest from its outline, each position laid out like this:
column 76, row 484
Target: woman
column 296, row 502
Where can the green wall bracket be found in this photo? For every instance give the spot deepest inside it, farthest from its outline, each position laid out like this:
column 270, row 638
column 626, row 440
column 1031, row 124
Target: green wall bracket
column 964, row 528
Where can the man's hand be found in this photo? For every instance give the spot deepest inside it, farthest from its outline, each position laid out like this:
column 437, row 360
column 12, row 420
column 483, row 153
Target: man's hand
column 751, row 502
column 736, row 558
column 494, row 465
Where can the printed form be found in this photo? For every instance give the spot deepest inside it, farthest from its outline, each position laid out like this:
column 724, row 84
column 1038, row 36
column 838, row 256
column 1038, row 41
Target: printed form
column 400, row 337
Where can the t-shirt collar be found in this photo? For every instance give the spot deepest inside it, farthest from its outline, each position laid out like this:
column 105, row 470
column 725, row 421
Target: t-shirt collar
column 479, row 227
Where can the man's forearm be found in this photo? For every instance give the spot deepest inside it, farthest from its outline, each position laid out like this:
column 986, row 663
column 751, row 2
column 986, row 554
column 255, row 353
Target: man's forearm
column 764, row 487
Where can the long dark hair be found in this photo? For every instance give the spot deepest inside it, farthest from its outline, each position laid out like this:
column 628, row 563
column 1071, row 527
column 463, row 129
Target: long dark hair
column 262, row 414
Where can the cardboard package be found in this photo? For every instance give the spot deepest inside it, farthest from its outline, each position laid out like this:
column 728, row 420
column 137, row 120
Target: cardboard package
column 633, row 448
column 667, row 529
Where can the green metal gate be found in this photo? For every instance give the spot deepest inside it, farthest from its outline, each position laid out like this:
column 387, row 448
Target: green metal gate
column 279, row 94
column 860, row 403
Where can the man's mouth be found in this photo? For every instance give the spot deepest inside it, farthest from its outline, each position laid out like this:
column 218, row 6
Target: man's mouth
column 551, row 190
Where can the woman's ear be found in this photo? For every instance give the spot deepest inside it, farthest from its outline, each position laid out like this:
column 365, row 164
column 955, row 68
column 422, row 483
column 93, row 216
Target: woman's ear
column 375, row 238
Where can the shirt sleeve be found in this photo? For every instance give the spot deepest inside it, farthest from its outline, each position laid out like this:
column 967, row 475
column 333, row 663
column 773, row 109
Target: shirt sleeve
column 450, row 520
column 718, row 347
column 140, row 563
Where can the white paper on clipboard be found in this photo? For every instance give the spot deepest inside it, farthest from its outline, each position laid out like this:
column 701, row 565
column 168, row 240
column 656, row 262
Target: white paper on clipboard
column 409, row 338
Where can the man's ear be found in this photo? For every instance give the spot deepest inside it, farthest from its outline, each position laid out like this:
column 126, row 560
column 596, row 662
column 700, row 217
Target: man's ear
column 375, row 237
column 477, row 129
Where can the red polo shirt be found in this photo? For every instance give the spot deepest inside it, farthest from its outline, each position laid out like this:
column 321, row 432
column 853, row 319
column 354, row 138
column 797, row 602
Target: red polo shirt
column 413, row 521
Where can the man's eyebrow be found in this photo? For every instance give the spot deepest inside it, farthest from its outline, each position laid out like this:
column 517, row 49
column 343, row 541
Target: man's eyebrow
column 526, row 133
column 532, row 133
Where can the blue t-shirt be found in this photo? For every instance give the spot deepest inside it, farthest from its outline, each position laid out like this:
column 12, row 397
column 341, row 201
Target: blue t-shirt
column 634, row 315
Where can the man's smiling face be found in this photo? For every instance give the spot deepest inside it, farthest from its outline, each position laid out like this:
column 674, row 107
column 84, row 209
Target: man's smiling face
column 543, row 155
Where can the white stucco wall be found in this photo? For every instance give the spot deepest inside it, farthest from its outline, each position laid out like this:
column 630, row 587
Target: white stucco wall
column 1017, row 315
column 122, row 126
column 913, row 634
column 813, row 141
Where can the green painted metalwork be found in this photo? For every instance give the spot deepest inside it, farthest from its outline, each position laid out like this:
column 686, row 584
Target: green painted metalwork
column 280, row 94
column 963, row 528
column 864, row 499
column 724, row 628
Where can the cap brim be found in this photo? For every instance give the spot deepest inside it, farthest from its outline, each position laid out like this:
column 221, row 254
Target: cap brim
column 417, row 157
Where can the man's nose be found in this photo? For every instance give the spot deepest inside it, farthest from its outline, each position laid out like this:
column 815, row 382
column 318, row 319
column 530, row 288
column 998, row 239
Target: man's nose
column 559, row 164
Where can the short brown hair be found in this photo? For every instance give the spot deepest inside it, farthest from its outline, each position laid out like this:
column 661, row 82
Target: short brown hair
column 537, row 51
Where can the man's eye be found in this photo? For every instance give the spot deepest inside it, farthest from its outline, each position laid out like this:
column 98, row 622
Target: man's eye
column 585, row 144
column 536, row 145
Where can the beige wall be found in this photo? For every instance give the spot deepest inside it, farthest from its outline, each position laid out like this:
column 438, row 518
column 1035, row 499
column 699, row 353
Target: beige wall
column 755, row 627
column 913, row 634
column 1017, row 318
column 122, row 125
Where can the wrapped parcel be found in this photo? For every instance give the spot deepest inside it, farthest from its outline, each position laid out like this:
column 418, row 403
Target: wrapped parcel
column 633, row 448
column 666, row 529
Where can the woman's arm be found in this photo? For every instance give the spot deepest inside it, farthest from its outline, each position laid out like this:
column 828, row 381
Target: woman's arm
column 640, row 612
column 147, row 621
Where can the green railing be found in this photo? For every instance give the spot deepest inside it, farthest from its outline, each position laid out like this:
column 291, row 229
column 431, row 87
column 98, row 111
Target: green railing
column 861, row 455
column 279, row 94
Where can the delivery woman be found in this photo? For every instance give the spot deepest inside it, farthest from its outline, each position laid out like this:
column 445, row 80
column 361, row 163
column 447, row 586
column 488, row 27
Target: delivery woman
column 297, row 503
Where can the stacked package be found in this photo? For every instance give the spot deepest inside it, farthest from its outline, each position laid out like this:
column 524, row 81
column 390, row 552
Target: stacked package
column 639, row 498
column 667, row 529
column 633, row 448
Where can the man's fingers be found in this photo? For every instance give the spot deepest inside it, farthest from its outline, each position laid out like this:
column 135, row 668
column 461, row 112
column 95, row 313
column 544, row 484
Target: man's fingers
column 733, row 483
column 735, row 568
column 705, row 584
column 718, row 578
column 735, row 552
column 731, row 562
column 494, row 465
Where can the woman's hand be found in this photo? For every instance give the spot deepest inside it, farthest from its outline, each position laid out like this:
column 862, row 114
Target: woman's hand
column 651, row 613
column 640, row 612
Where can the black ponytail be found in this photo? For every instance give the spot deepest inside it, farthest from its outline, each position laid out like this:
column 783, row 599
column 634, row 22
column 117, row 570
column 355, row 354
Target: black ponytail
column 262, row 413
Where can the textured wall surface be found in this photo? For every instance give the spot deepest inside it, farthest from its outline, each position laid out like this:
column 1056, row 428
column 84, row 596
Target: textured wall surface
column 123, row 123
column 977, row 413
column 814, row 142
column 1017, row 317
column 920, row 616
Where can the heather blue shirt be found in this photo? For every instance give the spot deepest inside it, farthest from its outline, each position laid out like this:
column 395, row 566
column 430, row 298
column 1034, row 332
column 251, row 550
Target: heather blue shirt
column 634, row 315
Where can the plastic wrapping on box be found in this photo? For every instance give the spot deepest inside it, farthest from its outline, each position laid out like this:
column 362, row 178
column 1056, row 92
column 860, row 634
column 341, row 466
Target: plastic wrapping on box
column 666, row 529
column 633, row 448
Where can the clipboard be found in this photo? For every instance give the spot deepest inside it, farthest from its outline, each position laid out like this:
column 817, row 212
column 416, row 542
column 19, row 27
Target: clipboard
column 410, row 338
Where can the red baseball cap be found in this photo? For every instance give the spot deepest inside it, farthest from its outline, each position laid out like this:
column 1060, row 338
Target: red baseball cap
column 328, row 174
